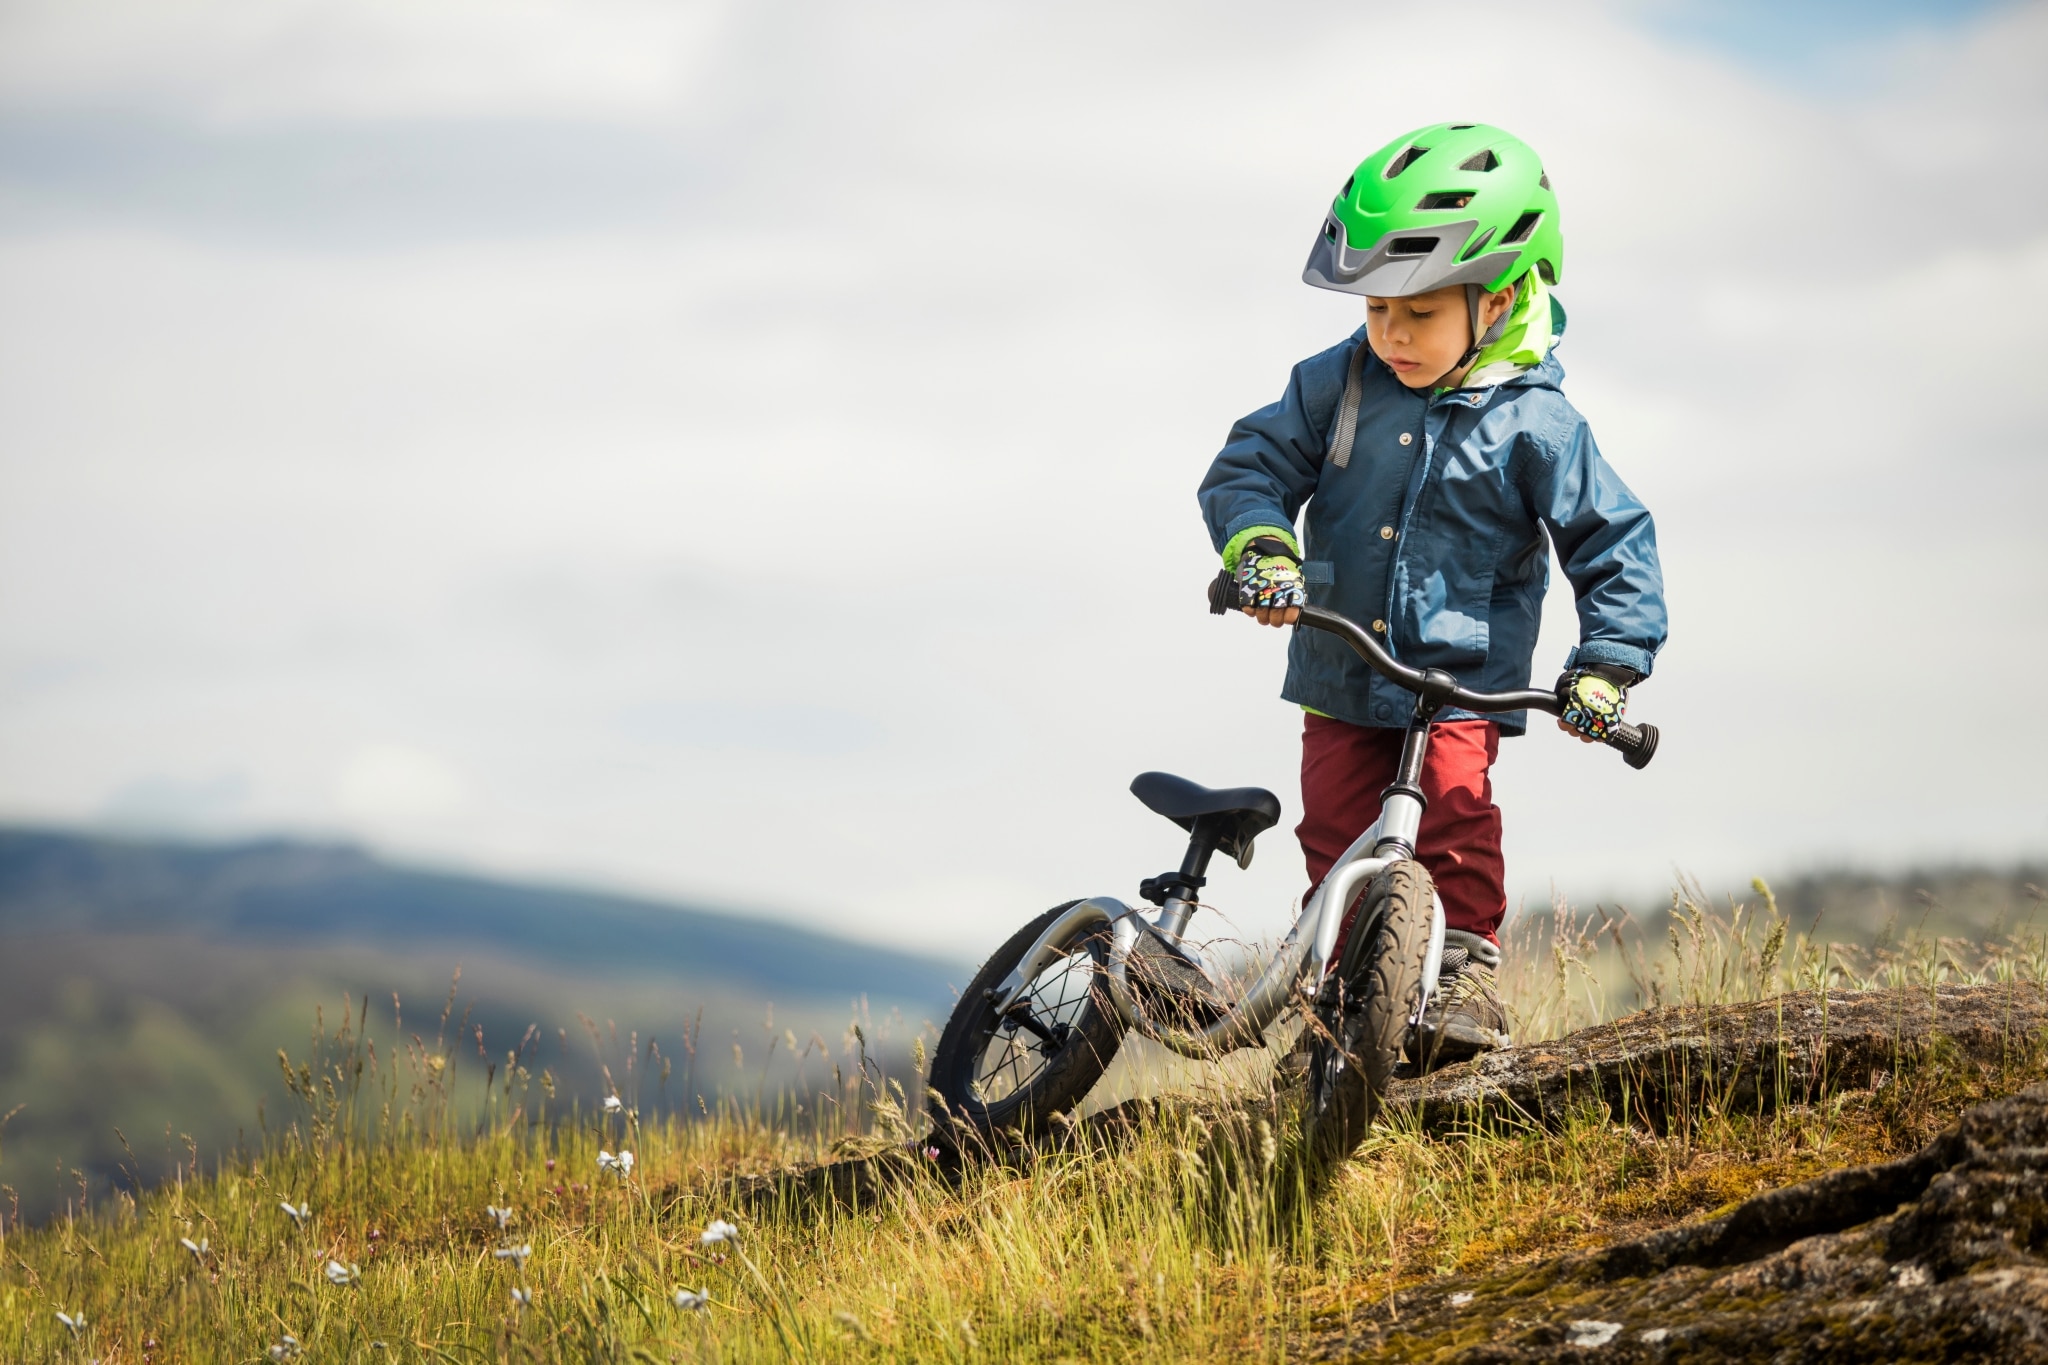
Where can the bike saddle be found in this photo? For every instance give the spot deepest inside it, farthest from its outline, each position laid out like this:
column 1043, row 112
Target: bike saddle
column 1237, row 815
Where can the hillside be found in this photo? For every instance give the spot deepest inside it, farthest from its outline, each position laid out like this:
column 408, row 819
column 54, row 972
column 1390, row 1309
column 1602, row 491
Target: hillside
column 145, row 988
column 1655, row 1226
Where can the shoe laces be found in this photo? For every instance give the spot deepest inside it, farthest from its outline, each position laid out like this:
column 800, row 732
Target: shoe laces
column 1460, row 978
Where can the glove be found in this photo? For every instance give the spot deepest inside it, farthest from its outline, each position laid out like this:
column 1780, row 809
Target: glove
column 1269, row 576
column 1594, row 698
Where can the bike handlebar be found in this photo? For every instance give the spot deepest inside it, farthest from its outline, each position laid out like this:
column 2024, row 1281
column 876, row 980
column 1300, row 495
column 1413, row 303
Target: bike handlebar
column 1637, row 743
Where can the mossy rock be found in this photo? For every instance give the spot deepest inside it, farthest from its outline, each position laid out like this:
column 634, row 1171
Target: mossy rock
column 1939, row 1256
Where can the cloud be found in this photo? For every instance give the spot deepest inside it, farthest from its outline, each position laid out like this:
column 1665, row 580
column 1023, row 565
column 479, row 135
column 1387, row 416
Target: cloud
column 163, row 802
column 230, row 62
column 791, row 477
column 390, row 782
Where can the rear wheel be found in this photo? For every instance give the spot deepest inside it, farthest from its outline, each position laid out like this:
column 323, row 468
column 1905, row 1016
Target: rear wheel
column 1364, row 1011
column 993, row 1072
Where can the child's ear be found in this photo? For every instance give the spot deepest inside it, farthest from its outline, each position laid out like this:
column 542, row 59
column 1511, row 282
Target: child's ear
column 1497, row 304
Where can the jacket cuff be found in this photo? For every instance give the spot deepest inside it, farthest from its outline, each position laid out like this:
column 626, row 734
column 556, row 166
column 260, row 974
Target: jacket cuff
column 1612, row 652
column 1240, row 536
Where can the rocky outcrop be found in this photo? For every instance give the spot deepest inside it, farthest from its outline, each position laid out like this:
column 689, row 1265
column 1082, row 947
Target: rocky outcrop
column 1647, row 1068
column 1659, row 1064
column 1942, row 1255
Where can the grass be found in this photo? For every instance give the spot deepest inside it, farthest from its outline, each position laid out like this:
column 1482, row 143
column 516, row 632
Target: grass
column 1180, row 1243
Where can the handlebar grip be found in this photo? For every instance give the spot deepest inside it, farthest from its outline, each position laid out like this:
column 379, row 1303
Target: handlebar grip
column 1638, row 743
column 1222, row 593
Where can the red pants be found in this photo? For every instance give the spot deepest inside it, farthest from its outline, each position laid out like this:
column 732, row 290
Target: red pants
column 1344, row 768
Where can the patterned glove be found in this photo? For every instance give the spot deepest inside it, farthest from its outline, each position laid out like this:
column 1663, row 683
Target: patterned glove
column 1269, row 575
column 1594, row 698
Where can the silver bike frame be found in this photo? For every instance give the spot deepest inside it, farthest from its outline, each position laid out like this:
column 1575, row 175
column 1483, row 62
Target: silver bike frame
column 1300, row 962
column 1304, row 955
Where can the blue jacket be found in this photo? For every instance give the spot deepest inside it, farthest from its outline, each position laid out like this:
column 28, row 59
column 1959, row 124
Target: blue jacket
column 1437, row 532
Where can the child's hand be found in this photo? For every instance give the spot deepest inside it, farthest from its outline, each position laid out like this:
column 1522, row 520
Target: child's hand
column 1594, row 699
column 1269, row 586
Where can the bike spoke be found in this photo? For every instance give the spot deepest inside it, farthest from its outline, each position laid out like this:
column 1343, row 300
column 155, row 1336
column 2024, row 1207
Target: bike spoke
column 1014, row 1055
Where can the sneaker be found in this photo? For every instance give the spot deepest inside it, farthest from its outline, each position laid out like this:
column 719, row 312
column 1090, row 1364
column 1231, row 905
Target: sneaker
column 1465, row 1017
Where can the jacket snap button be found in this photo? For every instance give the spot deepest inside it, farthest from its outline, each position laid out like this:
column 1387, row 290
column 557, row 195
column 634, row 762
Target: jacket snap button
column 1406, row 437
column 1386, row 533
column 1379, row 627
column 1384, row 712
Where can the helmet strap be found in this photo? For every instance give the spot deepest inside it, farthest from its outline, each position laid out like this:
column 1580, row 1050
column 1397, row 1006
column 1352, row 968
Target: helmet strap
column 1475, row 297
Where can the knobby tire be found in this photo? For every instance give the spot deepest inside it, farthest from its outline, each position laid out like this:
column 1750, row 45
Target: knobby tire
column 1362, row 1014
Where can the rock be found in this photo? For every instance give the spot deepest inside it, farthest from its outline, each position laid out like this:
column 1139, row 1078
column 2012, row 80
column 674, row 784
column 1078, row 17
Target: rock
column 1589, row 1332
column 1651, row 1066
column 1942, row 1255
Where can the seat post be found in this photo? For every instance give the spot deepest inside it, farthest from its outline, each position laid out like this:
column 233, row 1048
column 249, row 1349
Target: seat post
column 1194, row 865
column 1193, row 875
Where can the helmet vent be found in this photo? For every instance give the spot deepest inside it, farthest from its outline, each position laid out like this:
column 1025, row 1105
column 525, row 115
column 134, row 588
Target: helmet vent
column 1448, row 199
column 1411, row 246
column 1408, row 157
column 1547, row 271
column 1543, row 180
column 1478, row 245
column 1330, row 229
column 1349, row 181
column 1461, row 127
column 1524, row 228
column 1480, row 161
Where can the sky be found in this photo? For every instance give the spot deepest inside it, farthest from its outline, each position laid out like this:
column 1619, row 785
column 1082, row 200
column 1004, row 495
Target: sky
column 747, row 452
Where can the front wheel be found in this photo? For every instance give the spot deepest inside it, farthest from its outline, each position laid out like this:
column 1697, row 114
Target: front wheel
column 1364, row 1011
column 994, row 1072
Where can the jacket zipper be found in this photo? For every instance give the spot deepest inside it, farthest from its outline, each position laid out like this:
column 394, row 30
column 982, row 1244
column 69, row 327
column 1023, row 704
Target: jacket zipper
column 1417, row 480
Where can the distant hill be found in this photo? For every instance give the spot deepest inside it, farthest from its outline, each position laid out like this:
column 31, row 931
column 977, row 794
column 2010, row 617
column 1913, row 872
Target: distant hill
column 1964, row 900
column 146, row 987
column 288, row 892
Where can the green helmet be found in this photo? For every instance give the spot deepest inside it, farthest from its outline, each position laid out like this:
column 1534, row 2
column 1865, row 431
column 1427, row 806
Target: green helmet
column 1453, row 203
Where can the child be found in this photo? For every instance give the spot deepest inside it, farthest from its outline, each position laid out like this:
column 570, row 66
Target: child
column 1437, row 458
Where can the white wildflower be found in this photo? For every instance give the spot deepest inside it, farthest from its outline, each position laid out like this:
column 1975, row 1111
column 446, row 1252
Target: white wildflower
column 518, row 1253
column 337, row 1273
column 503, row 1216
column 76, row 1324
column 692, row 1300
column 198, row 1248
column 719, row 1231
column 622, row 1163
column 613, row 1104
column 285, row 1348
column 298, row 1215
column 522, row 1298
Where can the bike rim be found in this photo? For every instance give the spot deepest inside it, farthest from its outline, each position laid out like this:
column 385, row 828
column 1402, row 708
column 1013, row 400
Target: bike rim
column 1012, row 1058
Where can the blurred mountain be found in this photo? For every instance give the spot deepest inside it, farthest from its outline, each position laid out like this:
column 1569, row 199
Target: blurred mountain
column 146, row 987
column 283, row 892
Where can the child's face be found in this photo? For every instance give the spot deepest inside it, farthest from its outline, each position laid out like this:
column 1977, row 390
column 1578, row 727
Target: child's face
column 1422, row 337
